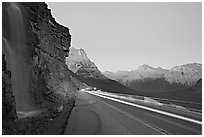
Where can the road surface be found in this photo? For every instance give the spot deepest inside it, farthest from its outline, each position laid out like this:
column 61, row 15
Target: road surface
column 93, row 115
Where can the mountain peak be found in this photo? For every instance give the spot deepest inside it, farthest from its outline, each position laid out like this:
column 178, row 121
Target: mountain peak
column 186, row 74
column 145, row 67
column 78, row 53
column 79, row 63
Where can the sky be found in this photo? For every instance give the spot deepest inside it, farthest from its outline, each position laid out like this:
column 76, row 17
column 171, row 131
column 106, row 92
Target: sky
column 124, row 36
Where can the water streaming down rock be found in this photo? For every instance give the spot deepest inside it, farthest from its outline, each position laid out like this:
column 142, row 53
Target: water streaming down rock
column 18, row 59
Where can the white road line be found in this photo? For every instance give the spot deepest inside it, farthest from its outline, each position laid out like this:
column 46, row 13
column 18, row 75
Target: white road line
column 150, row 109
column 118, row 97
column 162, row 131
column 177, row 124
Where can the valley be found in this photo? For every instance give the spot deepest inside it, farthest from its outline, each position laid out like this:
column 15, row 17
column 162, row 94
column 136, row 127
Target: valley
column 178, row 83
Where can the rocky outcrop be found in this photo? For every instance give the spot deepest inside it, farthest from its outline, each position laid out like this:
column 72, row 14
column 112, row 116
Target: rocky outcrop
column 8, row 101
column 199, row 83
column 35, row 48
column 79, row 63
column 50, row 75
column 198, row 87
column 45, row 48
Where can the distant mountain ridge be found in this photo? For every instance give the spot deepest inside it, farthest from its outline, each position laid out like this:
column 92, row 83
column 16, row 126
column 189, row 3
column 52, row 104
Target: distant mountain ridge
column 147, row 78
column 187, row 74
column 144, row 72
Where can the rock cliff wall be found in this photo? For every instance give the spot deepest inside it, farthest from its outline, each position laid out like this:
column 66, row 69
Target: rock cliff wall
column 8, row 101
column 46, row 45
column 51, row 77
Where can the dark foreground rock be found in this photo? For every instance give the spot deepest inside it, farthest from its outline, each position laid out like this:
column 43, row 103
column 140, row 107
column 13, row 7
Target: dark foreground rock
column 47, row 123
column 50, row 85
column 8, row 102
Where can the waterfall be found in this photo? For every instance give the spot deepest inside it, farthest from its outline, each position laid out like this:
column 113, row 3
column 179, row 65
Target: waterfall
column 18, row 59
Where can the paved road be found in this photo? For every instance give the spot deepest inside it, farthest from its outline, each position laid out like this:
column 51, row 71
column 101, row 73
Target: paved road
column 94, row 115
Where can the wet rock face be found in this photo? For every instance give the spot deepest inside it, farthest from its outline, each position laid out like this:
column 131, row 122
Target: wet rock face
column 51, row 82
column 48, row 44
column 8, row 101
column 49, row 36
